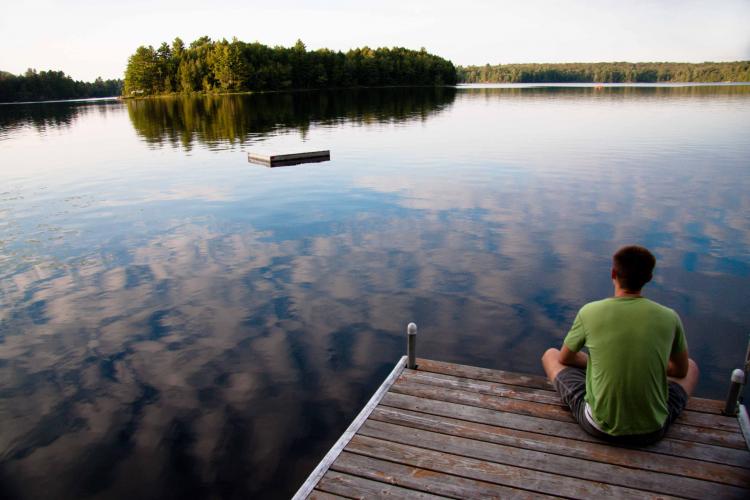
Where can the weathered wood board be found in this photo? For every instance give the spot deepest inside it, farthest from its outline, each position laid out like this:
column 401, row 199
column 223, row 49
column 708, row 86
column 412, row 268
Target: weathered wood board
column 448, row 430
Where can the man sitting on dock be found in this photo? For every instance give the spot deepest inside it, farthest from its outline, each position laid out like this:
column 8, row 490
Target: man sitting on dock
column 637, row 376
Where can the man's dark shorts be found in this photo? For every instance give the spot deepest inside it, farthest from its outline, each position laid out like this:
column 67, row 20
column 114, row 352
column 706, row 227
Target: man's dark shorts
column 571, row 385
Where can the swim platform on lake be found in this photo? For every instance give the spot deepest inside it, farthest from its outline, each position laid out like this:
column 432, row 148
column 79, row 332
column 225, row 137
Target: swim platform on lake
column 447, row 430
column 276, row 160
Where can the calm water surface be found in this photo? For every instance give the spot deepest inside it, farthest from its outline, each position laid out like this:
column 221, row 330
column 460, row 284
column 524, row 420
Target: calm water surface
column 177, row 322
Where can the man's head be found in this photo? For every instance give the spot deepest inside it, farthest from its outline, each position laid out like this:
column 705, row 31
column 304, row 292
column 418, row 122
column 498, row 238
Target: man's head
column 632, row 267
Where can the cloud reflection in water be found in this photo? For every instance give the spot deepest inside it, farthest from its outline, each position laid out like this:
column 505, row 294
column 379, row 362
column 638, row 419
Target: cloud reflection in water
column 194, row 326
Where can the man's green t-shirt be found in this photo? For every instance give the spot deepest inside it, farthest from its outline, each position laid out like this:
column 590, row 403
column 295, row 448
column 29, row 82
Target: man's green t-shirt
column 630, row 340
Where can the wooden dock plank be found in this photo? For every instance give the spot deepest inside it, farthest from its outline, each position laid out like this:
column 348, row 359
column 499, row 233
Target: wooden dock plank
column 553, row 412
column 426, row 480
column 471, row 398
column 322, row 495
column 697, row 451
column 698, row 419
column 500, row 474
column 532, row 381
column 628, row 457
column 359, row 487
column 573, row 467
column 300, row 156
column 454, row 431
column 477, row 373
column 483, row 386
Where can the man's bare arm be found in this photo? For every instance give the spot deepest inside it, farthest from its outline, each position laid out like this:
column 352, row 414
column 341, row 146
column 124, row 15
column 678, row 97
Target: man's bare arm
column 678, row 365
column 570, row 358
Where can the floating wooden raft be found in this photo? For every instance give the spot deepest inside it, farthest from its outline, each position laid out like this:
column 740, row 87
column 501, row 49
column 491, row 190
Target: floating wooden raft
column 448, row 430
column 289, row 159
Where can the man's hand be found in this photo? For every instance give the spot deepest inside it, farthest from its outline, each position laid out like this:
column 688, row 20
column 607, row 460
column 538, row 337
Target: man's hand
column 570, row 358
column 678, row 365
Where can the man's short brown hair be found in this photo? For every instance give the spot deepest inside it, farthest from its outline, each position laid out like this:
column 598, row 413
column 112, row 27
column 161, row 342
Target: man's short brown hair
column 634, row 266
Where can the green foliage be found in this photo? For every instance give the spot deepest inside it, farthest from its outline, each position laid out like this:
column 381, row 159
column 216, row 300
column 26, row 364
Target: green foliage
column 50, row 85
column 221, row 66
column 142, row 75
column 616, row 72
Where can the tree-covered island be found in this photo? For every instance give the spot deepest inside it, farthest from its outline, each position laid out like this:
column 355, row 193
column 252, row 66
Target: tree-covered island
column 223, row 66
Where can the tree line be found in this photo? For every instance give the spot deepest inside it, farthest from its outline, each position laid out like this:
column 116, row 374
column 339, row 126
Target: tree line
column 615, row 72
column 50, row 85
column 222, row 66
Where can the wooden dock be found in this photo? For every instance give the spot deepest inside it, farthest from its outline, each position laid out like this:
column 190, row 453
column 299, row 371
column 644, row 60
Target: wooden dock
column 448, row 430
column 285, row 160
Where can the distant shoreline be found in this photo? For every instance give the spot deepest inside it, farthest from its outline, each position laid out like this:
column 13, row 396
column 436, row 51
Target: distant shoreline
column 280, row 91
column 457, row 86
column 601, row 84
column 54, row 101
column 607, row 72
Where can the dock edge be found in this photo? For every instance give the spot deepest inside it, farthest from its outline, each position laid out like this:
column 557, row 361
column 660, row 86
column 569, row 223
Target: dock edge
column 312, row 480
column 744, row 424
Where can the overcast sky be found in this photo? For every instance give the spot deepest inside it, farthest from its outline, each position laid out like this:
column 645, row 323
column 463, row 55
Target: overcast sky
column 89, row 38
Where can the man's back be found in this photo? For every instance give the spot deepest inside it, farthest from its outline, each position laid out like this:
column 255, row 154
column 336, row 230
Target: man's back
column 630, row 340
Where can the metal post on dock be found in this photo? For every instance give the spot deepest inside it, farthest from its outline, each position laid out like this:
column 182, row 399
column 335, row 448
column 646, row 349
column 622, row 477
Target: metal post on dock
column 411, row 346
column 738, row 380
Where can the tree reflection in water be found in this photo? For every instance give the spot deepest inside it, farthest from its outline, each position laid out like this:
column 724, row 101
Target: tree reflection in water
column 210, row 120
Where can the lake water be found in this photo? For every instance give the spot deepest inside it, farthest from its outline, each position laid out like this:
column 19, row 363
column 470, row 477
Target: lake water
column 175, row 321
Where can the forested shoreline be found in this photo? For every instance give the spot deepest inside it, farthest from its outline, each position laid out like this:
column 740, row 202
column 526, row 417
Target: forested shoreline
column 607, row 72
column 208, row 66
column 222, row 66
column 52, row 85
